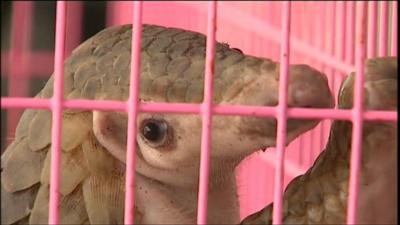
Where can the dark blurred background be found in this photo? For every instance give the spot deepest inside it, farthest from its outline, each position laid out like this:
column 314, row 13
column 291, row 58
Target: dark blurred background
column 43, row 27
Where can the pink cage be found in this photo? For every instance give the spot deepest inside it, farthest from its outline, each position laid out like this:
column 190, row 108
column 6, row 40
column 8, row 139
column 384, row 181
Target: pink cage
column 325, row 35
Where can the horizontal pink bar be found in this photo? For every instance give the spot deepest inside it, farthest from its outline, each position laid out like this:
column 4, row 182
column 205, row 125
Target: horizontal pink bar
column 380, row 115
column 186, row 108
column 338, row 114
column 95, row 105
column 170, row 108
column 259, row 111
column 32, row 103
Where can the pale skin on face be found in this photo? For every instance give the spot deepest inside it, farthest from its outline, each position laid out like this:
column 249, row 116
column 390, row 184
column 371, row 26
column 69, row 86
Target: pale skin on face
column 175, row 165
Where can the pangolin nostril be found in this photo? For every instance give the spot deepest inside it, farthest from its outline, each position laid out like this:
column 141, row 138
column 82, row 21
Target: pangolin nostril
column 309, row 95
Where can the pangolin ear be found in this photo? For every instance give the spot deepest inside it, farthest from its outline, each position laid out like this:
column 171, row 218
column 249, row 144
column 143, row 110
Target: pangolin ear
column 110, row 129
column 345, row 100
column 380, row 85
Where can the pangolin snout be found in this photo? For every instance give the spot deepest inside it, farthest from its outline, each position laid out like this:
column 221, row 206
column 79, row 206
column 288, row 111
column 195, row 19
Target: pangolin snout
column 308, row 88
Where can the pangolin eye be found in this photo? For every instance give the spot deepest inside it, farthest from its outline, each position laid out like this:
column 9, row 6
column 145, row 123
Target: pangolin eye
column 155, row 131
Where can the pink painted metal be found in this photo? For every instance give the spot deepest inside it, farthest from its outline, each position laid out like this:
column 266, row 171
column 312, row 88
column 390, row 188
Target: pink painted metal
column 258, row 111
column 56, row 107
column 394, row 29
column 281, row 115
column 206, row 111
column 340, row 37
column 324, row 48
column 271, row 33
column 383, row 28
column 350, row 11
column 290, row 167
column 330, row 38
column 15, row 102
column 74, row 26
column 356, row 141
column 19, row 56
column 329, row 12
column 40, row 64
column 132, row 108
column 320, row 36
column 118, row 12
column 372, row 28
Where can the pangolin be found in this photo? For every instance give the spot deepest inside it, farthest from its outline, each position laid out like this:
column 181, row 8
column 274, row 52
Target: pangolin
column 320, row 195
column 94, row 142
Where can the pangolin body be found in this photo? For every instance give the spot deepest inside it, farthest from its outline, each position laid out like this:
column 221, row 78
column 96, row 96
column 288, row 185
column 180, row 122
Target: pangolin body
column 320, row 195
column 93, row 143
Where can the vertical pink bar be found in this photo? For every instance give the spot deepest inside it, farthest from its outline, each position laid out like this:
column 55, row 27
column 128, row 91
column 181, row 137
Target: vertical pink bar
column 305, row 35
column 19, row 59
column 281, row 114
column 320, row 35
column 132, row 107
column 339, row 41
column 56, row 112
column 74, row 26
column 327, row 29
column 300, row 16
column 372, row 28
column 349, row 53
column 383, row 26
column 357, row 113
column 273, row 15
column 206, row 114
column 394, row 29
column 332, row 48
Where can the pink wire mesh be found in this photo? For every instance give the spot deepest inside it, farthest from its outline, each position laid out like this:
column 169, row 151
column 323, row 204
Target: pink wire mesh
column 357, row 111
column 132, row 109
column 394, row 29
column 281, row 115
column 333, row 54
column 383, row 25
column 56, row 108
column 19, row 55
column 207, row 114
